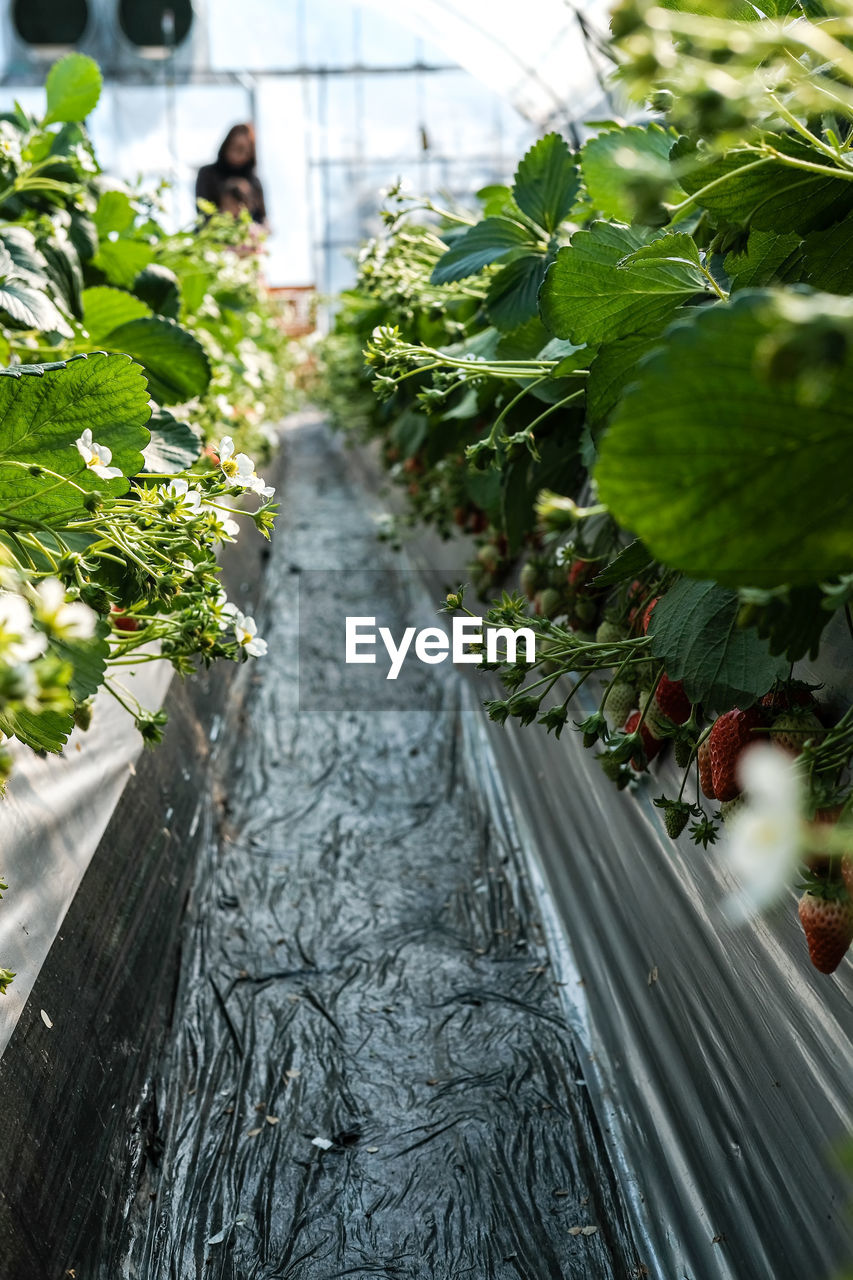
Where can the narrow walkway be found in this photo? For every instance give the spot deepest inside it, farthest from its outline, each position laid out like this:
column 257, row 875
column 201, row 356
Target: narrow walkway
column 363, row 965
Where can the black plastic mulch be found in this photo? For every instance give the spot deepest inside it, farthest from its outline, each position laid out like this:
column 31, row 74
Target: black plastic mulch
column 363, row 965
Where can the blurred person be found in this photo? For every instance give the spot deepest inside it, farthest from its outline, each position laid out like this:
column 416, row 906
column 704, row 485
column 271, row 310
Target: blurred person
column 235, row 163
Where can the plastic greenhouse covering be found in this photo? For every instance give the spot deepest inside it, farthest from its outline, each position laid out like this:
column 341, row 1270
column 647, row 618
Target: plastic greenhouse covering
column 348, row 97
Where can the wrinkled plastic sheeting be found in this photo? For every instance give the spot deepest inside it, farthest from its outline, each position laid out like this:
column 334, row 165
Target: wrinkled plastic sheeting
column 718, row 1060
column 54, row 813
column 369, row 1072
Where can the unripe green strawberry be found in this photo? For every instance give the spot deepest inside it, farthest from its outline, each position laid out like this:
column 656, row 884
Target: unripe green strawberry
column 620, row 701
column 793, row 729
column 548, row 602
column 728, row 808
column 610, row 632
column 675, row 818
column 644, row 673
column 682, row 751
column 611, row 768
column 530, row 577
column 584, row 612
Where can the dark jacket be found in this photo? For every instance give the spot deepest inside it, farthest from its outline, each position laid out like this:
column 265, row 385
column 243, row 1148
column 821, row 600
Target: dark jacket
column 211, row 181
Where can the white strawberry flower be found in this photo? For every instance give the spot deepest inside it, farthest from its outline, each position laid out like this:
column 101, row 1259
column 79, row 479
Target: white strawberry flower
column 66, row 620
column 258, row 486
column 246, row 631
column 240, row 469
column 19, row 640
column 764, row 839
column 97, row 457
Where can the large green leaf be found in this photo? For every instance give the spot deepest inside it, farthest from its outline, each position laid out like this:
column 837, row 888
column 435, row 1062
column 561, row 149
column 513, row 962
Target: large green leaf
column 122, row 260
column 174, row 360
column 486, row 242
column 45, row 410
column 114, row 212
column 547, row 182
column 63, row 268
column 25, row 306
column 619, row 161
column 41, row 730
column 612, row 369
column 731, row 456
column 828, row 258
column 174, row 445
column 88, row 661
column 694, row 631
column 73, row 88
column 29, row 262
column 769, row 259
column 513, row 294
column 159, row 287
column 589, row 297
column 754, row 191
column 104, row 309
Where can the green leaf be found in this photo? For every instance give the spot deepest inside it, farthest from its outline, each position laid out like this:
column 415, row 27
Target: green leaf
column 122, row 260
column 611, row 371
column 174, row 445
column 589, row 297
column 63, row 266
column 828, row 258
column 29, row 262
column 44, row 410
column 513, row 294
column 547, row 182
column 630, row 561
column 769, row 259
column 27, row 308
column 42, row 730
column 83, row 234
column 88, row 660
column 174, row 360
column 769, row 195
column 114, row 212
column 486, row 242
column 104, row 309
column 158, row 286
column 494, row 199
column 694, row 632
column 724, row 458
column 73, row 88
column 620, row 163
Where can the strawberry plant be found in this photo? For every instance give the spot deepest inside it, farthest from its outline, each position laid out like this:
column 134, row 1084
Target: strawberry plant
column 135, row 367
column 632, row 368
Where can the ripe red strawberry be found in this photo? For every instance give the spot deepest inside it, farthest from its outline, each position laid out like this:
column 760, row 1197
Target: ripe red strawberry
column 579, row 571
column 647, row 615
column 828, row 925
column 795, row 694
column 847, row 874
column 651, row 744
column 728, row 737
column 703, row 756
column 671, row 700
column 123, row 621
